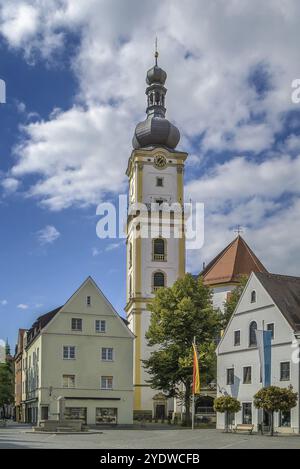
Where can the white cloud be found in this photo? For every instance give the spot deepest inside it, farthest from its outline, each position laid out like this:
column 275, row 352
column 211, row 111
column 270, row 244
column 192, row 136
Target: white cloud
column 112, row 247
column 210, row 51
column 48, row 235
column 95, row 252
column 22, row 306
column 3, row 302
column 10, row 185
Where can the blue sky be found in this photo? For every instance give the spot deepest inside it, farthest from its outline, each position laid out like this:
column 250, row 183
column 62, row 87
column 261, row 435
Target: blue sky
column 75, row 76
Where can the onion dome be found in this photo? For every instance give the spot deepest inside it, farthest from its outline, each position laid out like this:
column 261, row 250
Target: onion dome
column 156, row 129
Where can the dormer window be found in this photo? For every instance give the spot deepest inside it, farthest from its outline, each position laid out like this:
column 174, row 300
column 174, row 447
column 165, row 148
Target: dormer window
column 88, row 301
column 253, row 296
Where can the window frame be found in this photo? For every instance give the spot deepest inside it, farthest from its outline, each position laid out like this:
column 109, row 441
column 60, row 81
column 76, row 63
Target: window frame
column 272, row 330
column 159, row 178
column 76, row 329
column 100, row 331
column 68, row 376
column 247, row 367
column 89, row 301
column 249, row 332
column 107, row 378
column 234, row 337
column 280, row 370
column 228, row 373
column 107, row 349
column 156, row 287
column 69, row 347
column 253, row 297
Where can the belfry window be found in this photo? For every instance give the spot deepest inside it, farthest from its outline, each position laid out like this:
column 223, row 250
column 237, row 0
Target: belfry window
column 159, row 249
column 252, row 334
column 158, row 280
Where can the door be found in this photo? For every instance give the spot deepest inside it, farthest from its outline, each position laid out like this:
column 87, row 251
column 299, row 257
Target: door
column 160, row 411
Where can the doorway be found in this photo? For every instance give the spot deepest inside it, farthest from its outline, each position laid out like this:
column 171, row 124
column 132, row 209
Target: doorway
column 160, row 411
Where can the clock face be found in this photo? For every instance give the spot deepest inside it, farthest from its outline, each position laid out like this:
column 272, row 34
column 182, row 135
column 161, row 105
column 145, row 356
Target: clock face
column 160, row 161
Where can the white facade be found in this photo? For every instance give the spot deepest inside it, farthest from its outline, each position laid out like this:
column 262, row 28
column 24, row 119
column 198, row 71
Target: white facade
column 230, row 356
column 142, row 265
column 220, row 295
column 91, row 367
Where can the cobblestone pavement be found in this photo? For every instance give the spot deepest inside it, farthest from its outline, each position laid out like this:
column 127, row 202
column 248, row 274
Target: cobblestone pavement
column 149, row 437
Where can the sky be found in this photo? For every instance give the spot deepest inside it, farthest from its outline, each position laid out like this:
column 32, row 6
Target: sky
column 75, row 81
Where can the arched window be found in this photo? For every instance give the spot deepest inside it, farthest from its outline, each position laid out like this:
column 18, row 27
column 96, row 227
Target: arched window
column 252, row 334
column 158, row 280
column 253, row 296
column 159, row 249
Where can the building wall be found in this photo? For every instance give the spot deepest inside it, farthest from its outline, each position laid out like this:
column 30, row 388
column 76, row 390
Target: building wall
column 142, row 189
column 220, row 294
column 88, row 366
column 229, row 356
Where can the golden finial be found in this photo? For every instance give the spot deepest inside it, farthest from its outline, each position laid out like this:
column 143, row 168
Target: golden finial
column 156, row 51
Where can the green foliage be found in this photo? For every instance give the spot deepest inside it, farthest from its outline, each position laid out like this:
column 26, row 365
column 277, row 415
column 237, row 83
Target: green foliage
column 179, row 314
column 275, row 399
column 233, row 300
column 6, row 384
column 229, row 404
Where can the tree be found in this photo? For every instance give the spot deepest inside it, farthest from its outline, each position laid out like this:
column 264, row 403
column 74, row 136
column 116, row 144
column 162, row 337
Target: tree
column 179, row 314
column 6, row 386
column 275, row 399
column 233, row 300
column 227, row 405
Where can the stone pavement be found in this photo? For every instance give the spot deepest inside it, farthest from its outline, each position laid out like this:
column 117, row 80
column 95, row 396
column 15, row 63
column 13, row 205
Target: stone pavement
column 153, row 437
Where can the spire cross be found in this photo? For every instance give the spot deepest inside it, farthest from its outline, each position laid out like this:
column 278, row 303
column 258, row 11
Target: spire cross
column 238, row 230
column 156, row 52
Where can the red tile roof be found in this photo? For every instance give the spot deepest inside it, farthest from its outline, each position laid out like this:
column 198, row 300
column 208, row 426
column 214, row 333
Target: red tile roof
column 236, row 260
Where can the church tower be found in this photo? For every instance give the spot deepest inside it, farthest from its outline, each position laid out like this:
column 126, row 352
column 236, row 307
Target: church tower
column 155, row 241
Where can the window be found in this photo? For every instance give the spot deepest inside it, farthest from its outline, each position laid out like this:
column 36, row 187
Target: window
column 100, row 325
column 106, row 382
column 76, row 324
column 158, row 280
column 247, row 412
column 237, row 338
column 253, row 296
column 285, row 371
column 159, row 253
column 69, row 352
column 285, row 418
column 230, row 376
column 247, row 375
column 88, row 301
column 270, row 327
column 69, row 381
column 159, row 182
column 107, row 354
column 252, row 334
column 106, row 415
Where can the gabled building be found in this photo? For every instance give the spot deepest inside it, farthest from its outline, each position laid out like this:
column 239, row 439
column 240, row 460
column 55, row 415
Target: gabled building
column 269, row 302
column 81, row 352
column 224, row 272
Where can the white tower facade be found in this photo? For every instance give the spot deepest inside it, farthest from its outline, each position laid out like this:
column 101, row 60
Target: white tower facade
column 155, row 228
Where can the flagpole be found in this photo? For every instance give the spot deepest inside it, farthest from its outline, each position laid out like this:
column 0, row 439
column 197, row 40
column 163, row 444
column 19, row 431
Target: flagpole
column 193, row 398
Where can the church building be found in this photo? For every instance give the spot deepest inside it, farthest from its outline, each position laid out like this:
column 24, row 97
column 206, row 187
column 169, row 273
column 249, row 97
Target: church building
column 156, row 259
column 155, row 171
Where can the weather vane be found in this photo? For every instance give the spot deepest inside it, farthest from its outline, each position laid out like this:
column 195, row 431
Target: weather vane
column 156, row 51
column 238, row 230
